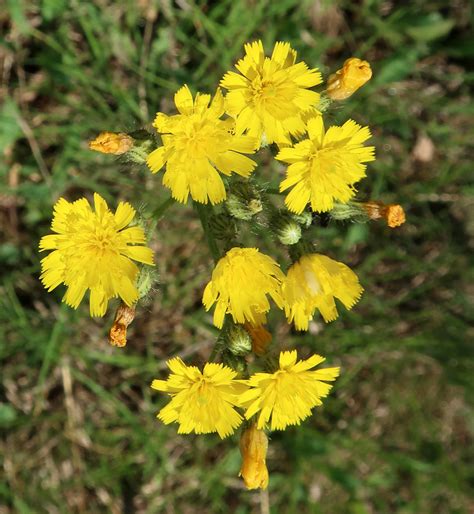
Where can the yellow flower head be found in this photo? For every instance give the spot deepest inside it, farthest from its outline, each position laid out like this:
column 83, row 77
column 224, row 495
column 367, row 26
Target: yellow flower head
column 112, row 142
column 202, row 403
column 346, row 81
column 240, row 283
column 312, row 283
column 271, row 94
column 325, row 167
column 197, row 145
column 93, row 250
column 253, row 448
column 287, row 396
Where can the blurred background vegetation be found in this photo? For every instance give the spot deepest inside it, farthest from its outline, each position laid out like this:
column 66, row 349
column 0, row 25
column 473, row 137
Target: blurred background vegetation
column 77, row 416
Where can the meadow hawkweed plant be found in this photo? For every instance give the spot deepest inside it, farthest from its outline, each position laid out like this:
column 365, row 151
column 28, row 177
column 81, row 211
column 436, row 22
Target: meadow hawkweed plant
column 207, row 152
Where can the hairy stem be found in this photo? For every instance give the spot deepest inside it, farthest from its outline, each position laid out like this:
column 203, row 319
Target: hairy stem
column 203, row 212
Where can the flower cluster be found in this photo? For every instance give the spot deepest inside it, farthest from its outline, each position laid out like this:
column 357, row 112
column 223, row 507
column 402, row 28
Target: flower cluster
column 206, row 152
column 207, row 401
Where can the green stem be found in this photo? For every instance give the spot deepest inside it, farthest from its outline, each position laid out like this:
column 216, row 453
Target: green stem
column 158, row 213
column 273, row 191
column 160, row 210
column 203, row 212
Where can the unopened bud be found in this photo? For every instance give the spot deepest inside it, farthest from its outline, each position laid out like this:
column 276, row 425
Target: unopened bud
column 238, row 340
column 346, row 81
column 243, row 201
column 352, row 211
column 289, row 233
column 393, row 214
column 253, row 448
column 304, row 219
column 146, row 279
column 285, row 227
column 123, row 317
column 324, row 103
column 116, row 143
column 236, row 362
column 261, row 338
column 222, row 227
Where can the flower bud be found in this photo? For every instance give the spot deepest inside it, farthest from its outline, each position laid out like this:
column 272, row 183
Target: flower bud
column 352, row 211
column 238, row 340
column 261, row 338
column 253, row 448
column 145, row 281
column 243, row 201
column 116, row 143
column 123, row 317
column 393, row 214
column 286, row 228
column 304, row 219
column 346, row 81
column 236, row 362
column 222, row 227
column 289, row 233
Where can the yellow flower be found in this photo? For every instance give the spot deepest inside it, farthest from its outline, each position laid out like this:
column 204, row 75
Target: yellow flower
column 112, row 142
column 271, row 94
column 197, row 145
column 325, row 167
column 346, row 81
column 93, row 250
column 253, row 448
column 312, row 283
column 202, row 403
column 287, row 396
column 240, row 283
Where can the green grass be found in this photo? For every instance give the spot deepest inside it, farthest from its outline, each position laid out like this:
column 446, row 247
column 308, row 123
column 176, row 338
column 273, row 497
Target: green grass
column 77, row 416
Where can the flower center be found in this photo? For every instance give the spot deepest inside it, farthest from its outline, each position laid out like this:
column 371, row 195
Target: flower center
column 264, row 89
column 198, row 138
column 312, row 283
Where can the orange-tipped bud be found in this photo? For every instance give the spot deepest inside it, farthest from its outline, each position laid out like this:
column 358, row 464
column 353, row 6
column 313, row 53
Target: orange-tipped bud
column 123, row 317
column 346, row 81
column 112, row 142
column 393, row 214
column 260, row 336
column 253, row 448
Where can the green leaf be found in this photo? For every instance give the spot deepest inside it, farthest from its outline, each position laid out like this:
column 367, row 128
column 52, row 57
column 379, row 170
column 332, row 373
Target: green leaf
column 432, row 27
column 10, row 131
column 396, row 68
column 7, row 414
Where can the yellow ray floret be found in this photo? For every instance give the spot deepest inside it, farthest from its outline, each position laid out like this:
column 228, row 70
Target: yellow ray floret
column 202, row 403
column 198, row 146
column 240, row 283
column 287, row 396
column 270, row 95
column 312, row 283
column 324, row 168
column 93, row 250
